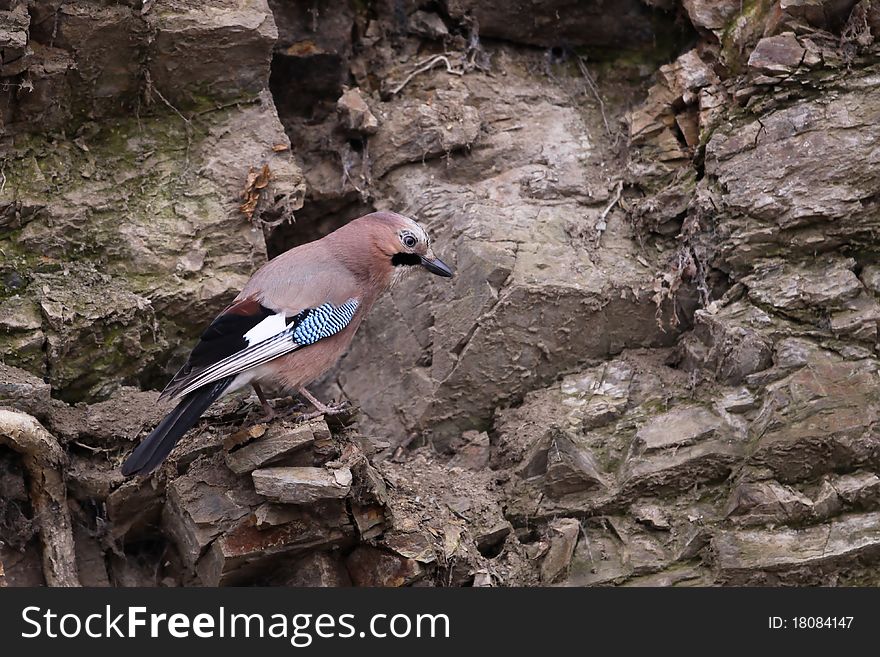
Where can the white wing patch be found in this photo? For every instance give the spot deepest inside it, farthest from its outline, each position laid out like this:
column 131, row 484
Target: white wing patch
column 272, row 325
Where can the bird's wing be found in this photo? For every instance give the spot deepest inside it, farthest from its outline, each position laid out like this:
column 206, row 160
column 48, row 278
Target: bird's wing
column 282, row 309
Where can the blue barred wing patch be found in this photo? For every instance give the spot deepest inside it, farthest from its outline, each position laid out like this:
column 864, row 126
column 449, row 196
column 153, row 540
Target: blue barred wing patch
column 304, row 328
column 323, row 321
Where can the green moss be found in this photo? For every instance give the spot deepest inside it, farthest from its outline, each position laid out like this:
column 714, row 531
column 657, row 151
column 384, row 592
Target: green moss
column 21, row 350
column 732, row 50
column 123, row 180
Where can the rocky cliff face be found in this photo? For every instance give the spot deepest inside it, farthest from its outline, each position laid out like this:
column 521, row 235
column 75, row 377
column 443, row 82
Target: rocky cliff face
column 655, row 365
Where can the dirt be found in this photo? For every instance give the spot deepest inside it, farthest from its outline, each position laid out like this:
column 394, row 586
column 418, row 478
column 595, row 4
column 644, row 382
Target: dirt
column 655, row 364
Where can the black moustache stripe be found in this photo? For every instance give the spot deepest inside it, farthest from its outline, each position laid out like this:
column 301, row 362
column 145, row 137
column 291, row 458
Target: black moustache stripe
column 408, row 259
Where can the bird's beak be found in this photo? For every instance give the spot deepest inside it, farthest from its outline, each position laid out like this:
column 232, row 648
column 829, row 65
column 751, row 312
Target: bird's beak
column 435, row 265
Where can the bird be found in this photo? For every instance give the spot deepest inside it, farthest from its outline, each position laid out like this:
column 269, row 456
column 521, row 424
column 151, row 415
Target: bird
column 290, row 323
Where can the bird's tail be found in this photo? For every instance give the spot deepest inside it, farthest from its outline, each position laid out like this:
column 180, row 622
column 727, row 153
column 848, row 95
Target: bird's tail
column 155, row 447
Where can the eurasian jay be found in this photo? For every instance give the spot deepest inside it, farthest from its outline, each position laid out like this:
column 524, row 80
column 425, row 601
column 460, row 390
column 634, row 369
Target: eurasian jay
column 292, row 321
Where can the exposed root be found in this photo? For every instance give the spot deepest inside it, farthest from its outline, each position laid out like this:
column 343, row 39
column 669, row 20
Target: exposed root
column 602, row 224
column 43, row 457
column 427, row 65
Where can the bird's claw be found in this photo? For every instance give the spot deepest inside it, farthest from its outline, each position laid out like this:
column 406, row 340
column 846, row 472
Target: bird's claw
column 326, row 409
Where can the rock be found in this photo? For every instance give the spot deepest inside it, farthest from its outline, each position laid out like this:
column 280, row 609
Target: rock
column 681, row 575
column 739, row 400
column 369, row 520
column 483, row 579
column 205, row 503
column 134, row 509
column 680, row 85
column 244, row 552
column 194, row 47
column 14, row 24
column 639, row 452
column 692, row 543
column 422, row 130
column 817, row 419
column 643, row 553
column 857, row 319
column 860, row 489
column 711, row 14
column 597, row 395
column 650, row 515
column 809, row 201
column 680, row 448
column 870, row 277
column 777, row 54
column 107, row 44
column 104, row 325
column 598, row 559
column 686, row 76
column 580, row 402
column 787, row 556
column 355, row 116
column 427, row 24
column 319, row 569
column 129, row 413
column 570, row 467
column 791, row 354
column 681, row 427
column 90, row 561
column 100, row 289
column 474, row 454
column 301, row 485
column 94, row 311
column 271, row 515
column 729, row 343
column 826, row 502
column 23, row 391
column 580, row 257
column 563, row 539
column 768, row 503
column 21, row 332
column 560, row 462
column 828, row 14
column 412, row 545
column 489, row 541
column 90, row 479
column 823, row 285
column 369, row 566
column 276, row 444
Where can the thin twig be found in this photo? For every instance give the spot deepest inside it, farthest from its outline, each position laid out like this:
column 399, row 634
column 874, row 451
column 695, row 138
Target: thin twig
column 591, row 84
column 173, row 108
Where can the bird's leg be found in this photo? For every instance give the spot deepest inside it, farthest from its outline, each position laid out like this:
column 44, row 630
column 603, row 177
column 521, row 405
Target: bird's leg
column 267, row 407
column 322, row 408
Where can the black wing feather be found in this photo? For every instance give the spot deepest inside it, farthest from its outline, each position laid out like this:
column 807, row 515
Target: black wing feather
column 155, row 447
column 224, row 337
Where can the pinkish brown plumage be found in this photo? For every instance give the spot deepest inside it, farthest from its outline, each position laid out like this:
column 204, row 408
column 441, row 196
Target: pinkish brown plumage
column 292, row 321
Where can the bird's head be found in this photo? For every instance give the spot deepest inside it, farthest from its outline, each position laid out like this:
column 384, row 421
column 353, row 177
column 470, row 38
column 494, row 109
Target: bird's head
column 402, row 243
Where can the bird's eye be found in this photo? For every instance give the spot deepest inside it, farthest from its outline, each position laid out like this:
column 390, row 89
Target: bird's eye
column 409, row 241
